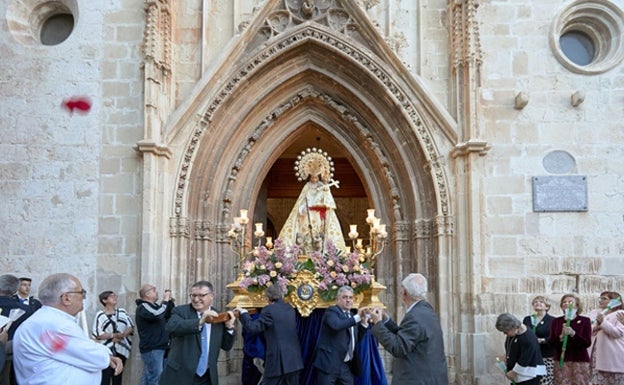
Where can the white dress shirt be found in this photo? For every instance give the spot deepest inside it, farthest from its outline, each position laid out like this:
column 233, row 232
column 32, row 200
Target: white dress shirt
column 51, row 349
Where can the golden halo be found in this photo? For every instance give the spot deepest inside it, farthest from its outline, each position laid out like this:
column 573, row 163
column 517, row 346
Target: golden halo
column 314, row 161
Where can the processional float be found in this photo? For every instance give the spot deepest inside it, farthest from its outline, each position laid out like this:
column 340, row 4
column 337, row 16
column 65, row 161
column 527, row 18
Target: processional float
column 309, row 260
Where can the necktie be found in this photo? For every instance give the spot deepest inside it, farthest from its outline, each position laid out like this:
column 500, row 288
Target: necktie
column 202, row 365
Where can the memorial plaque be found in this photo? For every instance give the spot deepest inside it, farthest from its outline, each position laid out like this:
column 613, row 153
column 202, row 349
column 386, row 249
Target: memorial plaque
column 560, row 193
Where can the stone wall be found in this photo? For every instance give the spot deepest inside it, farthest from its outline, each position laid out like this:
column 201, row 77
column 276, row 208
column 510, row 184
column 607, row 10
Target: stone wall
column 73, row 185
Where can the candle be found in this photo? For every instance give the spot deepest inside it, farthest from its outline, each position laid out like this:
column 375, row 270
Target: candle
column 269, row 242
column 353, row 232
column 382, row 231
column 371, row 216
column 237, row 223
column 348, row 249
column 358, row 244
column 259, row 233
column 376, row 224
column 243, row 217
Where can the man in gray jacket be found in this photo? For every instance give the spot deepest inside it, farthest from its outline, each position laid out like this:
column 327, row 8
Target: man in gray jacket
column 416, row 344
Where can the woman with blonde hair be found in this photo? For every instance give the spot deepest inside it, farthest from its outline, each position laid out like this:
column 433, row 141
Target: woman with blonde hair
column 539, row 322
column 570, row 336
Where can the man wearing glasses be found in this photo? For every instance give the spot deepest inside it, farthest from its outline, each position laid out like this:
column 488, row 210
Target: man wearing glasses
column 151, row 319
column 197, row 335
column 50, row 348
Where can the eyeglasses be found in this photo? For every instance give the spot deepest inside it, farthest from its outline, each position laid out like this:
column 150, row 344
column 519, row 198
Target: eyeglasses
column 202, row 296
column 83, row 292
column 603, row 298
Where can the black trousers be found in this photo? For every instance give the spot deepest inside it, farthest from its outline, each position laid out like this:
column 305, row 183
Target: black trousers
column 343, row 377
column 284, row 379
column 108, row 373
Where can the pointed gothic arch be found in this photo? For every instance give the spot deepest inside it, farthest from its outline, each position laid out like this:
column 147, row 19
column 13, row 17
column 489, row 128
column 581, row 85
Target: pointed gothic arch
column 248, row 115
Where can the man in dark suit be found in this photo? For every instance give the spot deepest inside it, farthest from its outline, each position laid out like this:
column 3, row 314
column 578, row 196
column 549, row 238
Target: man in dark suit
column 8, row 305
column 196, row 341
column 336, row 359
column 278, row 322
column 23, row 294
column 416, row 344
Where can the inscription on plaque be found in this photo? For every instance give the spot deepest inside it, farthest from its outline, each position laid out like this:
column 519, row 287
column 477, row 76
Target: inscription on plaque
column 560, row 193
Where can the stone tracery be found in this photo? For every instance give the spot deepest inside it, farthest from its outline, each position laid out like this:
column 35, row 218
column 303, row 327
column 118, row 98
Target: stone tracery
column 355, row 54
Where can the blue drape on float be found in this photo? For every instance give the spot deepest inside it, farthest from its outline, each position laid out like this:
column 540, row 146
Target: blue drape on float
column 309, row 329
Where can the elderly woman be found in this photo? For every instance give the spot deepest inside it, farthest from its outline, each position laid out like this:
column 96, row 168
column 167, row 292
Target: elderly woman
column 523, row 357
column 574, row 368
column 608, row 350
column 539, row 322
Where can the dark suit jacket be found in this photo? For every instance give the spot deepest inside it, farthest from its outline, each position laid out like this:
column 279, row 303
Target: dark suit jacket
column 186, row 347
column 9, row 303
column 278, row 322
column 33, row 303
column 417, row 347
column 333, row 342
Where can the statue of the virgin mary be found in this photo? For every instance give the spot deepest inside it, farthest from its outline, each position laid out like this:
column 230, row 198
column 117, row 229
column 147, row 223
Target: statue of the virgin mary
column 313, row 222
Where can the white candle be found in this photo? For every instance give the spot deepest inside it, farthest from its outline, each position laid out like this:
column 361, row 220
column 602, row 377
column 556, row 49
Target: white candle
column 371, row 215
column 269, row 242
column 353, row 232
column 259, row 233
column 358, row 243
column 244, row 219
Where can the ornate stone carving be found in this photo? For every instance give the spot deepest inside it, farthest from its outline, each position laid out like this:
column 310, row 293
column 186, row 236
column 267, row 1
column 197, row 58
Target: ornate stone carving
column 325, row 12
column 179, row 227
column 157, row 34
column 203, row 230
column 367, row 4
column 355, row 54
column 397, row 42
column 466, row 40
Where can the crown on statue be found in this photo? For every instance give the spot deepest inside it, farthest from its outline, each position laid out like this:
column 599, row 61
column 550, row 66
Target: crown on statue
column 314, row 161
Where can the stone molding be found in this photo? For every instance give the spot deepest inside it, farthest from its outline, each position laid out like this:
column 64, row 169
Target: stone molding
column 465, row 38
column 157, row 34
column 319, row 35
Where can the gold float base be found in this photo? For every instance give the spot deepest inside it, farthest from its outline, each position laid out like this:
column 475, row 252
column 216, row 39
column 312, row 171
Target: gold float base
column 305, row 296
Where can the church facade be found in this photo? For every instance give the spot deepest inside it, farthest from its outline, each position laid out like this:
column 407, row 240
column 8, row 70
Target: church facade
column 487, row 136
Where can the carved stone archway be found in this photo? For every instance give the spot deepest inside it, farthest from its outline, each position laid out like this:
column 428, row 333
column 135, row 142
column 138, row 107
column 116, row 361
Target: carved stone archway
column 375, row 116
column 243, row 116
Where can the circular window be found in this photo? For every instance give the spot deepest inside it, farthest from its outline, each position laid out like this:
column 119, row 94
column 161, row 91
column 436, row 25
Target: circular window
column 578, row 47
column 34, row 22
column 56, row 29
column 587, row 36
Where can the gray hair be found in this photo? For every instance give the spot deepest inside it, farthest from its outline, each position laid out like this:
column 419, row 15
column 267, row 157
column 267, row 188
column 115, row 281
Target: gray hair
column 8, row 284
column 416, row 285
column 342, row 289
column 53, row 286
column 506, row 322
column 273, row 293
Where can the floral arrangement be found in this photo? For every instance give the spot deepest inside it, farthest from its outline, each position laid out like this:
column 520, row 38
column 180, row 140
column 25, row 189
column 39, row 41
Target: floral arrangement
column 335, row 268
column 269, row 267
